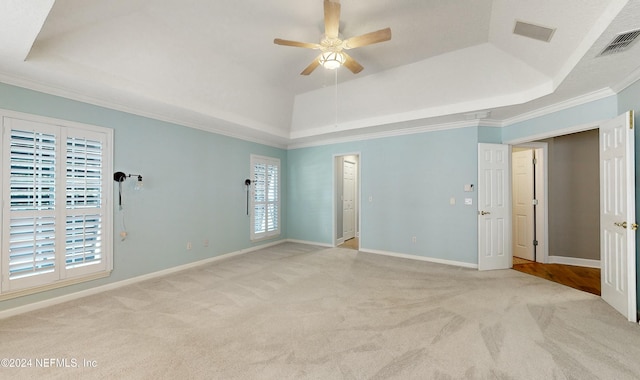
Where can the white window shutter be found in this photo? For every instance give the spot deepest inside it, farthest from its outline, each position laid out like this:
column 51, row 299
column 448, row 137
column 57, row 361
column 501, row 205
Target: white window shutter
column 32, row 166
column 54, row 187
column 265, row 217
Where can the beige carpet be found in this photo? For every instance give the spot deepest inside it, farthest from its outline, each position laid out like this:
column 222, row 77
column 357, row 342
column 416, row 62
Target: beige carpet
column 301, row 312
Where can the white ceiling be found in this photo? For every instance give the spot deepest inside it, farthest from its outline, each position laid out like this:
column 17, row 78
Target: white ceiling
column 213, row 65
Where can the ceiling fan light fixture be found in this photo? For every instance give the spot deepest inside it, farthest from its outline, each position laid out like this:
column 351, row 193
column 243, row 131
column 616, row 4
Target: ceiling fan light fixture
column 331, row 59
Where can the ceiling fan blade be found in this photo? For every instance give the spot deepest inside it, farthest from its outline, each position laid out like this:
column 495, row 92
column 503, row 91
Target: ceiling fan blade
column 308, row 45
column 331, row 18
column 368, row 39
column 309, row 69
column 351, row 64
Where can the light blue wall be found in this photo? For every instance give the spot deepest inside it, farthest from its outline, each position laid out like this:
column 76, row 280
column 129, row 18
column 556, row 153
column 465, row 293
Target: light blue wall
column 629, row 99
column 194, row 187
column 491, row 135
column 410, row 180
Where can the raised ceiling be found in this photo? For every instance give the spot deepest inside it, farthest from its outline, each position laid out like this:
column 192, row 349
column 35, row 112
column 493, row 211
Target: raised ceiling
column 213, row 65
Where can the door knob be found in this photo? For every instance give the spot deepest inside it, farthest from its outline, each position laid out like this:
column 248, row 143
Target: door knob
column 484, row 213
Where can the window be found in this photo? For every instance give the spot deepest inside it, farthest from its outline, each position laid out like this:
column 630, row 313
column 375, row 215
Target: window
column 265, row 218
column 56, row 226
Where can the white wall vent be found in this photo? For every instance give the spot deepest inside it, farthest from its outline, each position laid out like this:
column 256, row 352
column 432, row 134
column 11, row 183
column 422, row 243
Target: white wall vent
column 620, row 43
column 537, row 32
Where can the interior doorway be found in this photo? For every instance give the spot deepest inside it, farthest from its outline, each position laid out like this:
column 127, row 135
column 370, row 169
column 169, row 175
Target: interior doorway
column 346, row 200
column 557, row 179
column 616, row 218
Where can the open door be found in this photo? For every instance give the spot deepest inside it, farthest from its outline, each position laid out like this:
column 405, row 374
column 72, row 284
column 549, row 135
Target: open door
column 523, row 220
column 617, row 215
column 494, row 207
column 348, row 200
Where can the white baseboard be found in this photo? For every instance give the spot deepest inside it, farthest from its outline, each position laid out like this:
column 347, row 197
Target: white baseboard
column 309, row 243
column 573, row 261
column 114, row 285
column 421, row 258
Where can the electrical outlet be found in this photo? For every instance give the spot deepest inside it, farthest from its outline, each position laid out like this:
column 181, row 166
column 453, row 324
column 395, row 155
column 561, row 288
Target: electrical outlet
column 189, row 245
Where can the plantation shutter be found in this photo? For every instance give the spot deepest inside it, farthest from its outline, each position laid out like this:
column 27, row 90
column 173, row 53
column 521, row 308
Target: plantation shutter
column 84, row 193
column 32, row 193
column 54, row 213
column 265, row 172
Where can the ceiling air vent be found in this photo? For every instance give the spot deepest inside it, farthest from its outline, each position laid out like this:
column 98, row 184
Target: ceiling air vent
column 536, row 32
column 620, row 43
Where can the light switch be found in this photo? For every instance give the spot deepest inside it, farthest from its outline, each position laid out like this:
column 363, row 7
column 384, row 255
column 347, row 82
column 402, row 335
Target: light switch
column 452, row 201
column 468, row 201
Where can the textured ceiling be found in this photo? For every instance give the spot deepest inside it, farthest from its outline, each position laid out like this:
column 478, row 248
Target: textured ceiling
column 213, row 65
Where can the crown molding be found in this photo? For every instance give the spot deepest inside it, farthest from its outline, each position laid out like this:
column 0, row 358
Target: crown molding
column 285, row 142
column 490, row 123
column 328, row 140
column 573, row 102
column 276, row 141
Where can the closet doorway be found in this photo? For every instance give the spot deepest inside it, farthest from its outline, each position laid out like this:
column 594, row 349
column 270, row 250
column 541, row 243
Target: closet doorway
column 347, row 200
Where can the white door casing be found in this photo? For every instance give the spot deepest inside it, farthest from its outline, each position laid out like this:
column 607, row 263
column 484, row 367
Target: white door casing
column 348, row 200
column 617, row 215
column 523, row 216
column 494, row 207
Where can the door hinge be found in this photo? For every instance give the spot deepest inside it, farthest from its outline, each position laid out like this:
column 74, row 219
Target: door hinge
column 630, row 119
column 535, row 243
column 534, row 202
column 535, row 161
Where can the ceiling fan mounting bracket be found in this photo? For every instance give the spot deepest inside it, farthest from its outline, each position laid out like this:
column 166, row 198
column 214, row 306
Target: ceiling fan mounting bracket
column 328, row 42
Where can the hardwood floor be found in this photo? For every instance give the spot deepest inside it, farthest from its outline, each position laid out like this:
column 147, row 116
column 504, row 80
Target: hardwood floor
column 581, row 278
column 351, row 244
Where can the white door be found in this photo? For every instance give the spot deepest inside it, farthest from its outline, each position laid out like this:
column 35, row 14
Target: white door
column 617, row 215
column 348, row 200
column 523, row 220
column 494, row 207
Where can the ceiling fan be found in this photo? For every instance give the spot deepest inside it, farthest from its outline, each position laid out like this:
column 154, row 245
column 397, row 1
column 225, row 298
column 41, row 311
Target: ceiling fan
column 332, row 46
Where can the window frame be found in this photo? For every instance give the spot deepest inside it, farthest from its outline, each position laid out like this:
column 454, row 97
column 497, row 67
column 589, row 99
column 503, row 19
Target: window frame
column 254, row 202
column 64, row 273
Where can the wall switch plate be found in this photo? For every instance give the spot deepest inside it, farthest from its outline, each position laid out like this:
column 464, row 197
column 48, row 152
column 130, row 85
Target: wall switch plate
column 468, row 201
column 468, row 187
column 452, row 201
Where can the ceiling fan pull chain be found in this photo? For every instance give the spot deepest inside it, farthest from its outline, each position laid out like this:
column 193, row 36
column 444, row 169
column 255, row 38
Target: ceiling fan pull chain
column 336, row 97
